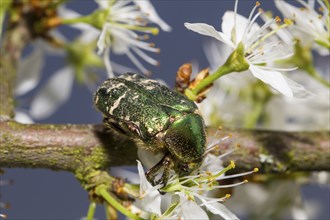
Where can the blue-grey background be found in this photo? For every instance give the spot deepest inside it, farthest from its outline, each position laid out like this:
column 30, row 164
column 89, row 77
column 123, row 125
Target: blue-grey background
column 43, row 194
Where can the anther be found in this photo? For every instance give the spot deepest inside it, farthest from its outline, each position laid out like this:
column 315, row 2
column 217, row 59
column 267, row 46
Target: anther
column 277, row 19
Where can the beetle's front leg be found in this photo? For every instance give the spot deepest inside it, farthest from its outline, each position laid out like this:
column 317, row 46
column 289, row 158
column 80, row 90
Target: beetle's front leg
column 166, row 163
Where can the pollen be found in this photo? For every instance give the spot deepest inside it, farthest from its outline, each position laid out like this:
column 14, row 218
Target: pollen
column 258, row 3
column 256, row 170
column 208, row 173
column 321, row 9
column 245, row 181
column 228, row 196
column 277, row 19
column 143, row 37
column 154, row 31
column 232, row 164
column 288, row 21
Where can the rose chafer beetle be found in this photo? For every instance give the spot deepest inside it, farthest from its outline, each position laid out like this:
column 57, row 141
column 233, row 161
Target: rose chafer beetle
column 162, row 119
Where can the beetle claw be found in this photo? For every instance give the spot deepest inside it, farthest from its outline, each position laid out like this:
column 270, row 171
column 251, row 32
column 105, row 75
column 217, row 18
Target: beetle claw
column 152, row 172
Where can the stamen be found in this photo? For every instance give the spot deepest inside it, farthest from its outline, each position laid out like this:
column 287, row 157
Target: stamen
column 145, row 56
column 277, row 19
column 143, row 37
column 235, row 12
column 268, row 34
column 214, row 200
column 251, row 21
column 231, row 185
column 106, row 60
column 239, row 174
column 211, row 146
column 136, row 62
column 213, row 139
column 288, row 21
column 224, row 170
column 152, row 30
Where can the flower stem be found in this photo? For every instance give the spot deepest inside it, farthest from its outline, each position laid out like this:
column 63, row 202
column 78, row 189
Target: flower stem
column 110, row 211
column 75, row 20
column 251, row 119
column 221, row 71
column 317, row 76
column 91, row 211
column 101, row 190
column 235, row 63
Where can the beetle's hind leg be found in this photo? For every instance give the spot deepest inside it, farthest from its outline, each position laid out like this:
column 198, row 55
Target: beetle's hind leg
column 165, row 163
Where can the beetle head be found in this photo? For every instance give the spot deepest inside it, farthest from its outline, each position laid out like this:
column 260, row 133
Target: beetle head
column 185, row 140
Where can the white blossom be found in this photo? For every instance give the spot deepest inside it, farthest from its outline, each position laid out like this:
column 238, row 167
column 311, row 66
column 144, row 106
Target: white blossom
column 150, row 11
column 310, row 22
column 267, row 197
column 122, row 30
column 260, row 50
column 188, row 197
column 119, row 35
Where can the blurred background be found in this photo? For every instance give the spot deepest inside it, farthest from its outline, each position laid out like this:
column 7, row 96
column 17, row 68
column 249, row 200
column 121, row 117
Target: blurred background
column 43, row 194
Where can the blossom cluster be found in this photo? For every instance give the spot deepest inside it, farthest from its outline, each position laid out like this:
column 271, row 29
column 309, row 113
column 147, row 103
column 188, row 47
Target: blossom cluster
column 255, row 59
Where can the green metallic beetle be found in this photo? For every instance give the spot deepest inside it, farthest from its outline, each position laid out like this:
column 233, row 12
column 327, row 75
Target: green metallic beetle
column 162, row 119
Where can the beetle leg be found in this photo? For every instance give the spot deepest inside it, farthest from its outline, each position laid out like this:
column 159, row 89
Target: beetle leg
column 167, row 161
column 151, row 173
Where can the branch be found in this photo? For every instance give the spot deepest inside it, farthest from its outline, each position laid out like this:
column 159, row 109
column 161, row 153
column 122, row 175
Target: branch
column 82, row 148
column 16, row 38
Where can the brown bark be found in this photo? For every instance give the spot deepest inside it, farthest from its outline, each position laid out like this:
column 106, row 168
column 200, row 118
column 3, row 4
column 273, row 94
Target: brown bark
column 79, row 148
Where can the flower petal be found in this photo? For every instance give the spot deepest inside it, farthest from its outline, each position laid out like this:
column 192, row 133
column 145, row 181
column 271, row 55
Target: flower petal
column 53, row 94
column 23, row 118
column 299, row 91
column 219, row 209
column 103, row 4
column 29, row 72
column 151, row 197
column 273, row 78
column 241, row 24
column 209, row 30
column 146, row 7
column 190, row 210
